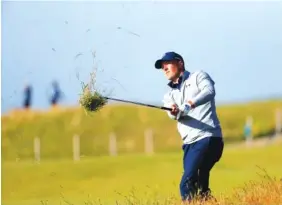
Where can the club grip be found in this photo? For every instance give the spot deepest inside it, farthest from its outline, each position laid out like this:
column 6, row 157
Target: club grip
column 166, row 108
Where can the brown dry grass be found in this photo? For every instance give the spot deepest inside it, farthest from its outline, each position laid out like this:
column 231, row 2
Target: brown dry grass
column 266, row 191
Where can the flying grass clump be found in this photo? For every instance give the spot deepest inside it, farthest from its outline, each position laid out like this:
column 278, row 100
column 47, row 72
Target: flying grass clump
column 91, row 100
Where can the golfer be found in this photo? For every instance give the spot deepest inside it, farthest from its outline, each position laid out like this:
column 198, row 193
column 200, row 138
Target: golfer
column 191, row 97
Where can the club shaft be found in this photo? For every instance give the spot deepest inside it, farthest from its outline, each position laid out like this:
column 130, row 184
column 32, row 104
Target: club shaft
column 138, row 103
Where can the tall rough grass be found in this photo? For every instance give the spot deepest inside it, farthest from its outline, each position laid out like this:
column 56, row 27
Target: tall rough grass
column 264, row 192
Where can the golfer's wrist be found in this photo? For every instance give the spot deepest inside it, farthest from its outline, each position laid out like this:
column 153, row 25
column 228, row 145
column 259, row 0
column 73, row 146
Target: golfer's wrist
column 187, row 105
column 191, row 104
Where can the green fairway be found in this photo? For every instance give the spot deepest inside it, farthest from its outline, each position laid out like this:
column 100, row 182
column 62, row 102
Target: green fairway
column 113, row 178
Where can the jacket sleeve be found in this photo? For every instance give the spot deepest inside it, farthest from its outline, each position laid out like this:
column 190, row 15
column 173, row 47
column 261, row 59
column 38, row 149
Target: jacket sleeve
column 168, row 101
column 206, row 87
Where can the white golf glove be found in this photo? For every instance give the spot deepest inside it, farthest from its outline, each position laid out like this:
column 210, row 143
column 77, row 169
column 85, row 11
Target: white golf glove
column 183, row 110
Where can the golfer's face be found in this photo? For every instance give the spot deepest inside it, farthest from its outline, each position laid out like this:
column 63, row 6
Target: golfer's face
column 170, row 69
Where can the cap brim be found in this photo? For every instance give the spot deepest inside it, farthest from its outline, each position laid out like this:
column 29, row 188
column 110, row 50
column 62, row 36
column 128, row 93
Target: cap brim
column 158, row 64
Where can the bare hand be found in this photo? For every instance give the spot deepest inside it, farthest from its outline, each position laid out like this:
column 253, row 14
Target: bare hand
column 175, row 110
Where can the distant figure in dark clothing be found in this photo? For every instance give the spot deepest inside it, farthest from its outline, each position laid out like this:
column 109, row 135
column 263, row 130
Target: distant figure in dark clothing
column 27, row 96
column 56, row 95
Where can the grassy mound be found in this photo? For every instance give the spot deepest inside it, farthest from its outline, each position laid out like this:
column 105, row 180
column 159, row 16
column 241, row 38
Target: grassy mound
column 56, row 129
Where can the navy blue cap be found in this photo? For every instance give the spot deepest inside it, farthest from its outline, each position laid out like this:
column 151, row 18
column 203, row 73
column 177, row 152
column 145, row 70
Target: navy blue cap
column 168, row 57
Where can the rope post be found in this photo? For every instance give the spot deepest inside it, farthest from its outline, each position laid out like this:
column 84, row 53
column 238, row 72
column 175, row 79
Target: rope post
column 112, row 144
column 76, row 148
column 149, row 142
column 37, row 149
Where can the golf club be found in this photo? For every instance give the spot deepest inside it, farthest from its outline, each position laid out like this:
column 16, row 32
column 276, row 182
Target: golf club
column 138, row 103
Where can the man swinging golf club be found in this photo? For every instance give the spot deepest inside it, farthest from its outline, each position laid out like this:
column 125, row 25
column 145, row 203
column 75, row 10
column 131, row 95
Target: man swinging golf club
column 191, row 97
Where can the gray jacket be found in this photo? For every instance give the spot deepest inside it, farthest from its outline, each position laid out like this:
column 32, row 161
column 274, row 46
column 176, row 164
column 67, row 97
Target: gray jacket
column 201, row 121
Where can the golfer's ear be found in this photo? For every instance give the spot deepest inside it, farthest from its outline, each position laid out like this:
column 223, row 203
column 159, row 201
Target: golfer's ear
column 181, row 64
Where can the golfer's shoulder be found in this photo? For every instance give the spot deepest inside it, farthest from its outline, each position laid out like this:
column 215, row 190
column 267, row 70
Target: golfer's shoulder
column 168, row 96
column 168, row 92
column 200, row 74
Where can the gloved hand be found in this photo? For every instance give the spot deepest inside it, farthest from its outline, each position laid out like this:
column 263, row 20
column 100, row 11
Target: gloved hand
column 183, row 110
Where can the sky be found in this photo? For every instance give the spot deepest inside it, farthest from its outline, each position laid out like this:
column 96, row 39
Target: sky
column 238, row 43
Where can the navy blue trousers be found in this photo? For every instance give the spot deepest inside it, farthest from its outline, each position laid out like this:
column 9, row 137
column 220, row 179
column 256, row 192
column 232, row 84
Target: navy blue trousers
column 198, row 159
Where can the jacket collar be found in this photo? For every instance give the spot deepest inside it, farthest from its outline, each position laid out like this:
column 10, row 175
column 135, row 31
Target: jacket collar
column 181, row 79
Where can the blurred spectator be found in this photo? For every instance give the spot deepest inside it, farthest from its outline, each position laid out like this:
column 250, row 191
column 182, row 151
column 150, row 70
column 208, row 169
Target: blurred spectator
column 248, row 129
column 56, row 94
column 247, row 132
column 27, row 96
